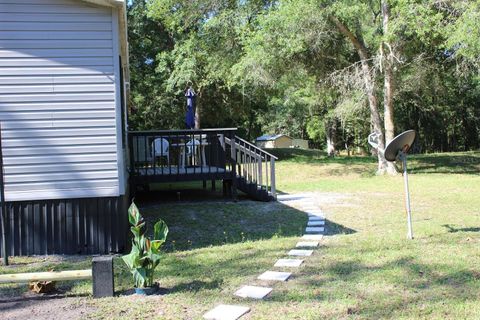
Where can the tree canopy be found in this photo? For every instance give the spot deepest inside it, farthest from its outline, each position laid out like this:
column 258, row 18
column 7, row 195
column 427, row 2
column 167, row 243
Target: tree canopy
column 328, row 71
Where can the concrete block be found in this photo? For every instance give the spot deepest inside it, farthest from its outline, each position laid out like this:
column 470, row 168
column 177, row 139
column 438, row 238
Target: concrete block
column 102, row 274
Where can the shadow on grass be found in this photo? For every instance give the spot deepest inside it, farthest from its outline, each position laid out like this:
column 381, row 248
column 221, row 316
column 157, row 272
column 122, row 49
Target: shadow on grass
column 332, row 228
column 195, row 286
column 466, row 163
column 428, row 283
column 405, row 284
column 317, row 156
column 62, row 290
column 199, row 224
column 454, row 229
column 459, row 162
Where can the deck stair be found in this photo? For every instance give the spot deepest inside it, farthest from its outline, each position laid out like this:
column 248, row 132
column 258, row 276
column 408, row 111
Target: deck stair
column 255, row 169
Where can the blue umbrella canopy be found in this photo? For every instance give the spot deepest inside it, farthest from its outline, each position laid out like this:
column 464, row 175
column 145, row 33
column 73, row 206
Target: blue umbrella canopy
column 190, row 116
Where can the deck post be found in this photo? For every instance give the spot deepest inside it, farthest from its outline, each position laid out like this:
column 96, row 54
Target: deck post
column 131, row 170
column 234, row 166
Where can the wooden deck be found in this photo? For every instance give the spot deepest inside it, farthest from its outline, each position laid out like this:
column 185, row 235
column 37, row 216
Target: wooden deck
column 201, row 155
column 180, row 155
column 178, row 170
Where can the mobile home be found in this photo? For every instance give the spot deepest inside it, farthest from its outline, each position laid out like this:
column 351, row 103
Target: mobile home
column 63, row 76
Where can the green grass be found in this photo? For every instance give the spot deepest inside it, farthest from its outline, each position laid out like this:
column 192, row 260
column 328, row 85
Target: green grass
column 365, row 269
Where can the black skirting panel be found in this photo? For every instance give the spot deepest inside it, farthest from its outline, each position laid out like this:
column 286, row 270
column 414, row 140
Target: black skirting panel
column 67, row 226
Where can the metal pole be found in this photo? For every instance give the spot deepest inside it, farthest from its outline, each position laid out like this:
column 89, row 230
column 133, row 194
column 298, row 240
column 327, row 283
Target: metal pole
column 4, row 209
column 407, row 195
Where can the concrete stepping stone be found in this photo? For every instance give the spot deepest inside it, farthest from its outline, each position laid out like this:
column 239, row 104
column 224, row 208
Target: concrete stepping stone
column 274, row 276
column 307, row 244
column 226, row 312
column 316, row 237
column 253, row 292
column 310, row 208
column 316, row 218
column 290, row 197
column 316, row 215
column 316, row 223
column 314, row 212
column 314, row 229
column 300, row 253
column 291, row 263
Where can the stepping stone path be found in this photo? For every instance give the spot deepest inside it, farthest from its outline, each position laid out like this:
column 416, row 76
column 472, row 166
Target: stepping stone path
column 316, row 216
column 253, row 292
column 300, row 253
column 315, row 223
column 274, row 276
column 316, row 237
column 290, row 263
column 315, row 229
column 314, row 233
column 307, row 244
column 226, row 312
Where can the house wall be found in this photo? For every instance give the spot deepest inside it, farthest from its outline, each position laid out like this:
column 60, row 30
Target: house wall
column 66, row 226
column 60, row 100
column 300, row 143
column 283, row 142
column 60, row 112
column 265, row 144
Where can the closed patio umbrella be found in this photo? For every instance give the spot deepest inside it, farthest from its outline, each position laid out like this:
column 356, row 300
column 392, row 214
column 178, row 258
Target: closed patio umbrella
column 190, row 116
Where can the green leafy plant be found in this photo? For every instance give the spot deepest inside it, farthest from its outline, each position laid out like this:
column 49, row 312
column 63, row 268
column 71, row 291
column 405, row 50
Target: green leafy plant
column 145, row 254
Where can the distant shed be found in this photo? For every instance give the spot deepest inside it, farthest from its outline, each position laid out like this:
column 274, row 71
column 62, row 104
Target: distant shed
column 280, row 141
column 300, row 143
column 63, row 75
column 274, row 141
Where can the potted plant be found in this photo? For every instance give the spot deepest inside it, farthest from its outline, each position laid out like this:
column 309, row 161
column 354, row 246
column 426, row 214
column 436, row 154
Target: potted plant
column 145, row 254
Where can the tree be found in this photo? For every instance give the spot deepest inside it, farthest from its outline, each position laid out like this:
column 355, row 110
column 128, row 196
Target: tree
column 314, row 68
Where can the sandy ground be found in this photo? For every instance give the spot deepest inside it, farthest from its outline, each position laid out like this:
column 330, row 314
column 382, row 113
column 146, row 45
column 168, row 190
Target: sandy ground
column 41, row 307
column 58, row 306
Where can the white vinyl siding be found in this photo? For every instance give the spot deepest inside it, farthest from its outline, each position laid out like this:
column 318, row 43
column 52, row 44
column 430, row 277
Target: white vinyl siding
column 59, row 100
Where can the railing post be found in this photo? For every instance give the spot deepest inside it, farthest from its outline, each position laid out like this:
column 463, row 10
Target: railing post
column 272, row 177
column 260, row 173
column 131, row 171
column 234, row 165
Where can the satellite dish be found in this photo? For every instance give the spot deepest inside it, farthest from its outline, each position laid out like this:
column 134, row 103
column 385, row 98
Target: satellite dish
column 398, row 148
column 373, row 140
column 402, row 142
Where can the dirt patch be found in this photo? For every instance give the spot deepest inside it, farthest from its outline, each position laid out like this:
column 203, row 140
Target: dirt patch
column 41, row 307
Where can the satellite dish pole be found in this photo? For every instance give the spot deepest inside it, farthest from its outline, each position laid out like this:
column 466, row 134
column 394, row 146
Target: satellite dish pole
column 402, row 155
column 398, row 149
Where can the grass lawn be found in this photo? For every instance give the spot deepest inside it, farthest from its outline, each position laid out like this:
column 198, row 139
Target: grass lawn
column 365, row 269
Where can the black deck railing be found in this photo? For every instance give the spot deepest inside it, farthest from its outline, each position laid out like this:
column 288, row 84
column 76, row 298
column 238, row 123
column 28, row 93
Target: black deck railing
column 180, row 155
column 255, row 166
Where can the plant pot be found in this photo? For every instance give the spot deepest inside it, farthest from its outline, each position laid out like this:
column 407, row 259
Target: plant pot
column 147, row 290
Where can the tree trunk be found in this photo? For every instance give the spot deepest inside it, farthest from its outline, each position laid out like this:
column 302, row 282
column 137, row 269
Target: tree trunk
column 331, row 130
column 369, row 83
column 197, row 113
column 387, row 55
column 389, row 78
